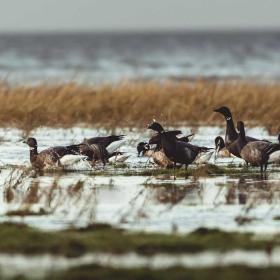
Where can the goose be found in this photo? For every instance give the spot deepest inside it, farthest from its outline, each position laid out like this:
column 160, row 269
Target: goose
column 100, row 149
column 231, row 133
column 58, row 156
column 257, row 153
column 176, row 150
column 158, row 157
column 220, row 148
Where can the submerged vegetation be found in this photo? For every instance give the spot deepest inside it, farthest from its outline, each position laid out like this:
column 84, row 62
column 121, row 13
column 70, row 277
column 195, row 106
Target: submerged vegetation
column 123, row 104
column 204, row 170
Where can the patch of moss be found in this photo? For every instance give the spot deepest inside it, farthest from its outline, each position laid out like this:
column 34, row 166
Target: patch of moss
column 19, row 238
column 199, row 171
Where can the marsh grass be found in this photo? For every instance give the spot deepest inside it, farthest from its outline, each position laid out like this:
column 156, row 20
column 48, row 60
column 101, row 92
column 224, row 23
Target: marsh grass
column 28, row 196
column 19, row 238
column 134, row 104
column 219, row 273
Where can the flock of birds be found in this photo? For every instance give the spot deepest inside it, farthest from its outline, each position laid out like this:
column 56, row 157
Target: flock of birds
column 92, row 150
column 166, row 148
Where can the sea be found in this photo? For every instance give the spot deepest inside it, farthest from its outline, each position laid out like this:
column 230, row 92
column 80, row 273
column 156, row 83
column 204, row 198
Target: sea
column 95, row 58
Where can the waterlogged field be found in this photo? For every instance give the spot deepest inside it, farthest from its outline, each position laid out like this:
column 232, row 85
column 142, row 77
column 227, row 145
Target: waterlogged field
column 134, row 220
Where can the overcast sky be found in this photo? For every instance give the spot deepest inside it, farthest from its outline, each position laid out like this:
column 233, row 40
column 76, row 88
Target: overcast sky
column 112, row 15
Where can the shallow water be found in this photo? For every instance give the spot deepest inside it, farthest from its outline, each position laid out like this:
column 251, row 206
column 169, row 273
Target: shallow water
column 229, row 202
column 41, row 265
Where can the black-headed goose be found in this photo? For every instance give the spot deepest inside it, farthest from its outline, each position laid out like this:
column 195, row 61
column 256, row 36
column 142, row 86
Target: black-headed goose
column 177, row 151
column 231, row 134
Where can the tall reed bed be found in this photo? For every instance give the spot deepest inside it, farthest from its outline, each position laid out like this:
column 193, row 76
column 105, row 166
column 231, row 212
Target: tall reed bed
column 135, row 104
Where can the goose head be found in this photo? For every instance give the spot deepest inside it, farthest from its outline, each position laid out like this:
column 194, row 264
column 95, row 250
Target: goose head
column 219, row 143
column 225, row 111
column 31, row 142
column 142, row 147
column 156, row 126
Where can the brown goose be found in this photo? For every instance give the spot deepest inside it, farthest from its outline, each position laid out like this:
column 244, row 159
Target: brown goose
column 258, row 153
column 51, row 157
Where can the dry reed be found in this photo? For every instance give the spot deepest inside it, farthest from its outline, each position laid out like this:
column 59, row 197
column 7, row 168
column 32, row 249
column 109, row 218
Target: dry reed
column 130, row 104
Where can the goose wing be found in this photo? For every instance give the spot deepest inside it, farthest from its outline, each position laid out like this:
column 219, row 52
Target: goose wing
column 186, row 138
column 269, row 151
column 198, row 149
column 155, row 139
column 104, row 141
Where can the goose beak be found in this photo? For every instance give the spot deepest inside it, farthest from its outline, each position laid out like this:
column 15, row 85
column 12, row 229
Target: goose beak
column 217, row 110
column 24, row 141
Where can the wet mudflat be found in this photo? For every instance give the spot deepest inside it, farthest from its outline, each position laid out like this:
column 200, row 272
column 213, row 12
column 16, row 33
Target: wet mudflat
column 220, row 201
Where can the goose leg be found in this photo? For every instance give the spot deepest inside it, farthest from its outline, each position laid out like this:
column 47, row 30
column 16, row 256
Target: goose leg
column 265, row 166
column 174, row 169
column 186, row 168
column 104, row 162
column 261, row 169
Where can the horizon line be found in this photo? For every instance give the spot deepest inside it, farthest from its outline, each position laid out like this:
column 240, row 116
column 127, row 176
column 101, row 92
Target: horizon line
column 139, row 31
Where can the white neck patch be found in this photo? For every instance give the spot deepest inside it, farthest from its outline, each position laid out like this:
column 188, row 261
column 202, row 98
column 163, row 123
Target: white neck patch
column 228, row 118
